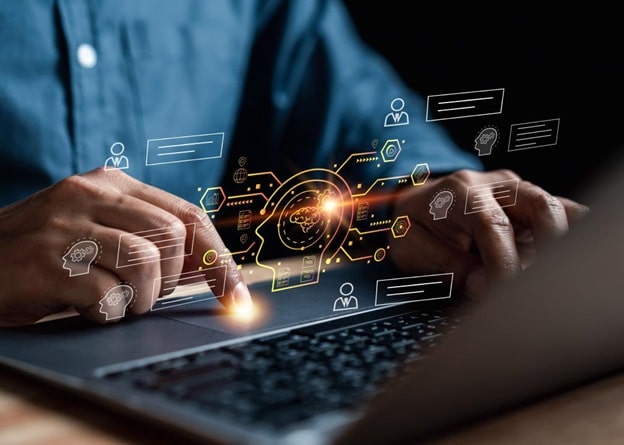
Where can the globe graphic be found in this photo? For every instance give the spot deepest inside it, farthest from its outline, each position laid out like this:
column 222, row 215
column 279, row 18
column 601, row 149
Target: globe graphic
column 240, row 175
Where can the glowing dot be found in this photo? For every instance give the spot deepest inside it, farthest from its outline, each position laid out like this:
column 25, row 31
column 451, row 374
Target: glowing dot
column 239, row 266
column 328, row 261
column 199, row 189
column 248, row 189
column 337, row 260
column 330, row 205
column 262, row 212
column 244, row 313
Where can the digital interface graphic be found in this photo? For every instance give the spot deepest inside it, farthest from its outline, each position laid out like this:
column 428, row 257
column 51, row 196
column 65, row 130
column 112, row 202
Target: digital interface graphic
column 535, row 134
column 81, row 256
column 314, row 214
column 464, row 104
column 292, row 229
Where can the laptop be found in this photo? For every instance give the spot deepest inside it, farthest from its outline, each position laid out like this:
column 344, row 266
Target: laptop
column 373, row 370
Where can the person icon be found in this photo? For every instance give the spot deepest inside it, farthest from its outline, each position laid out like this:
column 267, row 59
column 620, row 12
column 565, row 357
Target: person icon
column 80, row 256
column 440, row 204
column 117, row 160
column 346, row 301
column 115, row 302
column 397, row 116
column 485, row 141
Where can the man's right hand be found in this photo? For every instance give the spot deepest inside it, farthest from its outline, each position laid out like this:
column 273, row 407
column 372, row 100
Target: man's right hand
column 37, row 233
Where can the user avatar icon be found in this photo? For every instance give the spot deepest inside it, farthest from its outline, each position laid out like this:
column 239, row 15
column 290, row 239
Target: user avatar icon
column 485, row 141
column 80, row 256
column 440, row 204
column 309, row 215
column 346, row 301
column 117, row 160
column 114, row 304
column 397, row 116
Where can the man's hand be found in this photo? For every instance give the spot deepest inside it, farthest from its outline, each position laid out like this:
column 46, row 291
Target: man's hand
column 480, row 246
column 60, row 248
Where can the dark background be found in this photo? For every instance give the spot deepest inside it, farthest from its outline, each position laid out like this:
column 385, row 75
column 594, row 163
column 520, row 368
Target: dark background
column 554, row 61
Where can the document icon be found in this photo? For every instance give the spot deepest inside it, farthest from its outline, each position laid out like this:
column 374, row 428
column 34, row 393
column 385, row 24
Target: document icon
column 184, row 148
column 417, row 288
column 490, row 196
column 464, row 104
column 533, row 134
column 137, row 248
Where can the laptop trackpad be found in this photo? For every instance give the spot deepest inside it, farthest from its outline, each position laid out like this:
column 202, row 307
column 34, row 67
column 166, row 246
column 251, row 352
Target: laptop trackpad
column 337, row 295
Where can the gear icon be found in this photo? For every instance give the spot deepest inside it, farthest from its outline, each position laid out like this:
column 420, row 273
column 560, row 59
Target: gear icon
column 77, row 255
column 114, row 299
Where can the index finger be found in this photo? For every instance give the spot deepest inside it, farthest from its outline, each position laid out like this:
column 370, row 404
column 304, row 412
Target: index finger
column 206, row 238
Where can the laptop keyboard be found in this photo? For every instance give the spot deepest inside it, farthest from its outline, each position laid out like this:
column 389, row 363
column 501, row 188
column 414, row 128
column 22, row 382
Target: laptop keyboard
column 289, row 377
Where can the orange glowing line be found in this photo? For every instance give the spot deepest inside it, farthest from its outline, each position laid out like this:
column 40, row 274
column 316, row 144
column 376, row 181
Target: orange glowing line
column 380, row 180
column 266, row 173
column 354, row 259
column 353, row 155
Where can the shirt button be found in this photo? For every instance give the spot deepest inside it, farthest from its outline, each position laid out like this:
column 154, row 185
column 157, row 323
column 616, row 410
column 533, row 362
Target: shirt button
column 86, row 55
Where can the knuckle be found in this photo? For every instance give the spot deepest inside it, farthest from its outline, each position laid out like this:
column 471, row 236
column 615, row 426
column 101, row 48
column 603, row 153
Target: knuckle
column 72, row 184
column 496, row 220
column 546, row 203
column 192, row 214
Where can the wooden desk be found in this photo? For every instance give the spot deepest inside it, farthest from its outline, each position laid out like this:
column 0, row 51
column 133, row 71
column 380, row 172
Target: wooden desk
column 32, row 413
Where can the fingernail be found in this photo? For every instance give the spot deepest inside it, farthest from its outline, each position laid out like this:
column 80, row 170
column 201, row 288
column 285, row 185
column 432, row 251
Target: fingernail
column 477, row 283
column 242, row 297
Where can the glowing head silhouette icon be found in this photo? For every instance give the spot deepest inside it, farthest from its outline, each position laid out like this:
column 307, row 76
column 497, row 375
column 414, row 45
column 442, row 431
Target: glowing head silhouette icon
column 309, row 215
column 80, row 256
column 114, row 304
column 440, row 204
column 485, row 141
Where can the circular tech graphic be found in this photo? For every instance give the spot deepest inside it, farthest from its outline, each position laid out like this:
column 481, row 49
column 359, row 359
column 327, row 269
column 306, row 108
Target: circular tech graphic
column 311, row 211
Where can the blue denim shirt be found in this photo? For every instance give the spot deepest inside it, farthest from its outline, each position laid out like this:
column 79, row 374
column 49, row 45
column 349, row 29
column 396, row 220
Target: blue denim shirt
column 288, row 83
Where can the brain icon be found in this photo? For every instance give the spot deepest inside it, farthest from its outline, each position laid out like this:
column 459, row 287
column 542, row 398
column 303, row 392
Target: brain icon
column 306, row 218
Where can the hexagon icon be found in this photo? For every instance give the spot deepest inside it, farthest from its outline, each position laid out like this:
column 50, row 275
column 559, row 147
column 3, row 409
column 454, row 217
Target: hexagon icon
column 400, row 226
column 420, row 174
column 212, row 199
column 390, row 150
